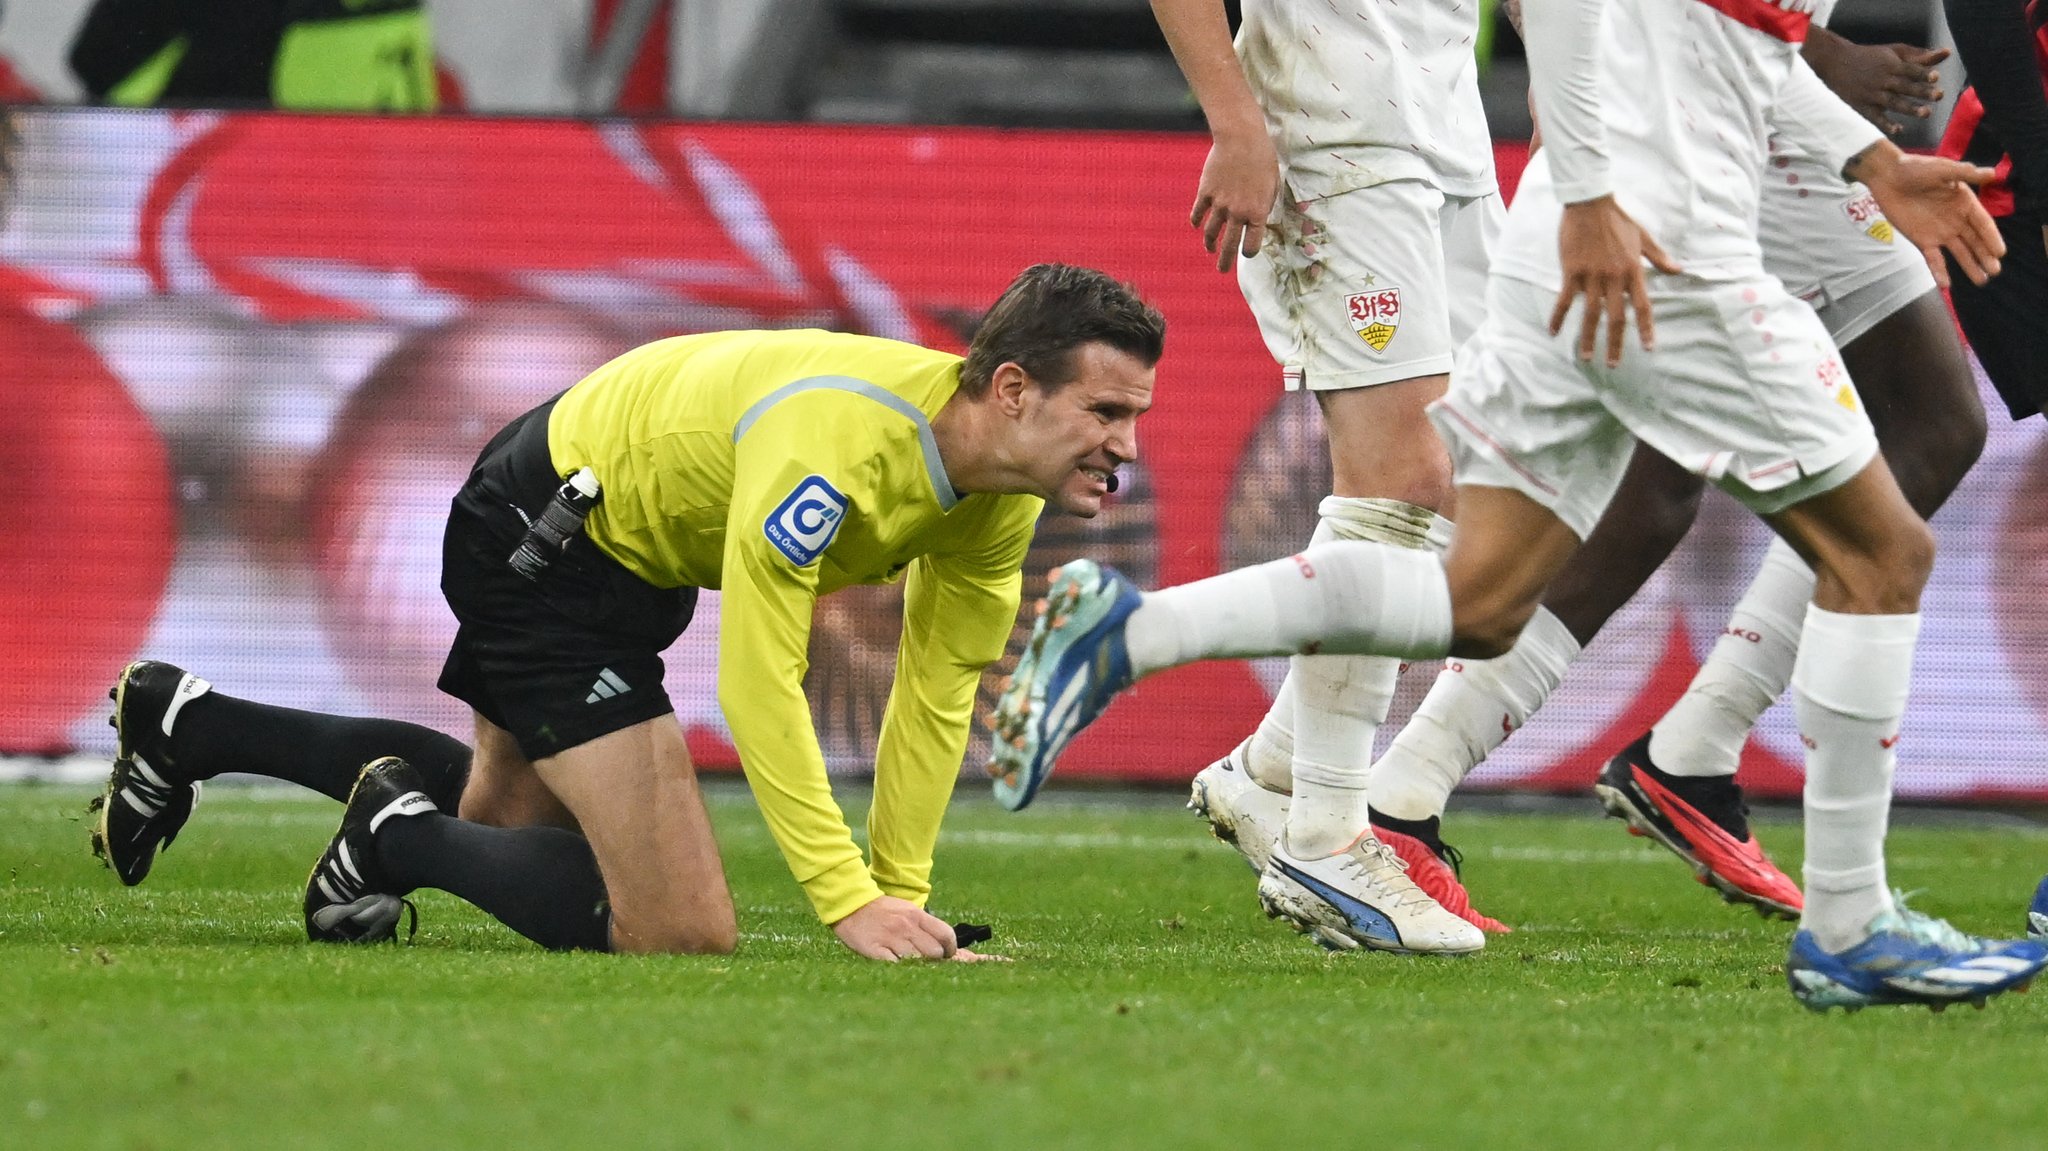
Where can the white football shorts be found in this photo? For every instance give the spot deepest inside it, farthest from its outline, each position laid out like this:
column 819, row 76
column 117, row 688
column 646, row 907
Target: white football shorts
column 1744, row 387
column 1830, row 243
column 1370, row 286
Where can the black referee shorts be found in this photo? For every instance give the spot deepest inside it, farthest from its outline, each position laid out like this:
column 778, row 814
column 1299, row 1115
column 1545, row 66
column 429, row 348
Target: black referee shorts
column 559, row 661
column 2006, row 320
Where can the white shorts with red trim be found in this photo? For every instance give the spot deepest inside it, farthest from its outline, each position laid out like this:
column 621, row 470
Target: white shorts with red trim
column 1370, row 286
column 1830, row 243
column 1744, row 388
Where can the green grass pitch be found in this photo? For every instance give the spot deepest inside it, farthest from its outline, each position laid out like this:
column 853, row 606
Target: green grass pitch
column 1150, row 1004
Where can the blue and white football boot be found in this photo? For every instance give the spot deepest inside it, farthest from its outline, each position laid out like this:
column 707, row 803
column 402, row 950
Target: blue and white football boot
column 1362, row 897
column 2037, row 913
column 1910, row 958
column 1073, row 666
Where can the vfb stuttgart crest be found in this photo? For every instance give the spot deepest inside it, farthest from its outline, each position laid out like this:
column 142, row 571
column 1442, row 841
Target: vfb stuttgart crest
column 1375, row 315
column 1863, row 212
column 1834, row 380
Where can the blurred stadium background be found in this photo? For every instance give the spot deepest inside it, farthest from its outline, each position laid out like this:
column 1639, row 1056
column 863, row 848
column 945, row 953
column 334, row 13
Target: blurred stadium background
column 251, row 342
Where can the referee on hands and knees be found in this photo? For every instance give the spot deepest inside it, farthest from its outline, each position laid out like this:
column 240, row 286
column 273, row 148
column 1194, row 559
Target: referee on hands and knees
column 774, row 466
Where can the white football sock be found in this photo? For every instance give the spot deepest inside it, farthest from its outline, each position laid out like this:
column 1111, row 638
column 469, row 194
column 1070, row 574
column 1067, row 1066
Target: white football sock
column 1744, row 675
column 1268, row 755
column 1344, row 597
column 1472, row 707
column 1341, row 700
column 1850, row 690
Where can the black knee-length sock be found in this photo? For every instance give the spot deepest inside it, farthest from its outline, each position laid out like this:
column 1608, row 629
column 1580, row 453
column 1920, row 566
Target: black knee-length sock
column 217, row 733
column 541, row 882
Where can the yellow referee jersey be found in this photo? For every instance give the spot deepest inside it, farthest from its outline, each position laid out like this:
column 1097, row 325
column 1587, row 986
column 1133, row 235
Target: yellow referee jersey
column 777, row 467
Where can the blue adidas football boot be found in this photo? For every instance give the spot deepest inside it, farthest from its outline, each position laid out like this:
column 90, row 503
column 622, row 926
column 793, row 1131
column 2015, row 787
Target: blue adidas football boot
column 1910, row 958
column 2037, row 913
column 1073, row 666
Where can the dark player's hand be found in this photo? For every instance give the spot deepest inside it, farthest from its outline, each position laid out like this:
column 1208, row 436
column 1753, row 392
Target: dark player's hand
column 1880, row 81
column 1240, row 180
column 1931, row 200
column 890, row 929
column 1602, row 253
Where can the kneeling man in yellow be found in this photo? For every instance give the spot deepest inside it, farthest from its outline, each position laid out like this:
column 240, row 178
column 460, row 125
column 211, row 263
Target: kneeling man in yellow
column 773, row 466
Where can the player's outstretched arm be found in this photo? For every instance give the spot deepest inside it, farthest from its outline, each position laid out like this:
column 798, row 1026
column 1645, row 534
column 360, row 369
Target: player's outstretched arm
column 1879, row 81
column 1927, row 198
column 1931, row 201
column 1241, row 177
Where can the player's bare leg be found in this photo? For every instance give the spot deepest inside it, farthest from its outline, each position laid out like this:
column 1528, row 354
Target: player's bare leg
column 1916, row 381
column 1649, row 518
column 1507, row 549
column 1923, row 402
column 1382, row 444
column 1871, row 555
column 1390, row 476
column 1390, row 483
column 1857, row 945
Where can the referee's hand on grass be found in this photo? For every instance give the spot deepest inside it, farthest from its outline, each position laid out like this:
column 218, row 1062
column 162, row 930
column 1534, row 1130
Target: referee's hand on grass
column 890, row 929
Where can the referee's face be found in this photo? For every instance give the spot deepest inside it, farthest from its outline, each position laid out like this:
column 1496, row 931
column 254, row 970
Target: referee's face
column 1076, row 434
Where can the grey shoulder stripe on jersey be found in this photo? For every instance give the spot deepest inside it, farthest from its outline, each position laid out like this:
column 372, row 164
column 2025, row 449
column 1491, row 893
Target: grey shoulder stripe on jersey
column 942, row 486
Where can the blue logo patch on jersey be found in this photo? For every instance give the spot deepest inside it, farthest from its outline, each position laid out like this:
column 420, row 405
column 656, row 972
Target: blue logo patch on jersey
column 803, row 524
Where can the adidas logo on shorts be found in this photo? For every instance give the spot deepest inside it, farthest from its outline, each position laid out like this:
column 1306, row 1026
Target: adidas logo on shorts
column 608, row 685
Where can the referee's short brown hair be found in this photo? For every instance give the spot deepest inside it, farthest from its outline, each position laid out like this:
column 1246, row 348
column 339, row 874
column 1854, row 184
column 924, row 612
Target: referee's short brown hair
column 1050, row 310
